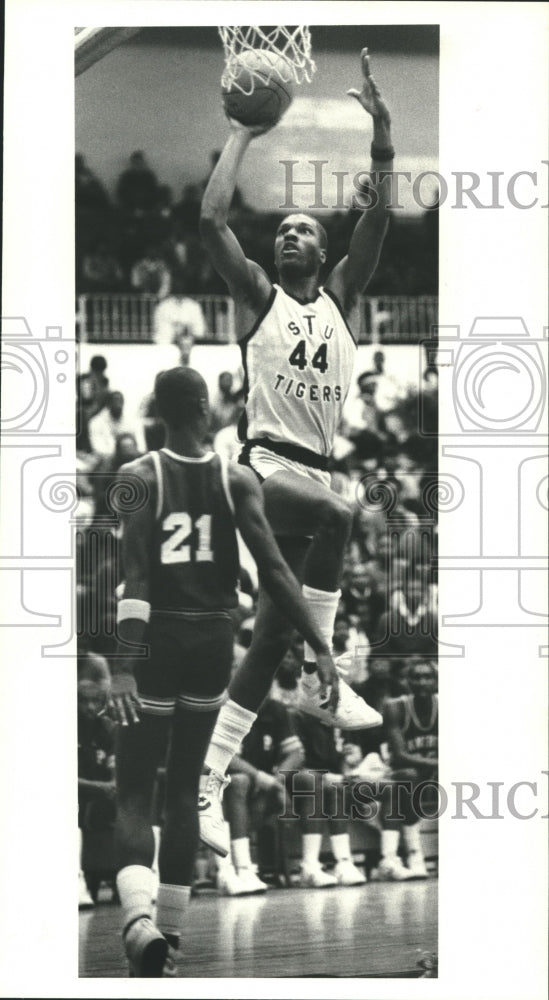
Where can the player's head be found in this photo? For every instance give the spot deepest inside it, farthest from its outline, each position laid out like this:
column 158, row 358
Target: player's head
column 422, row 677
column 181, row 397
column 301, row 246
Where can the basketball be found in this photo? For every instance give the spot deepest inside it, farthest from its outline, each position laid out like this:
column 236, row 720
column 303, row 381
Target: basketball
column 267, row 95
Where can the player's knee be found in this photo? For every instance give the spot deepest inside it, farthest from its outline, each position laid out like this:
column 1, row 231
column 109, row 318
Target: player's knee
column 335, row 516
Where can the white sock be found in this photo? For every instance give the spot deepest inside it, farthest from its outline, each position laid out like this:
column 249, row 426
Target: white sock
column 389, row 844
column 156, row 835
column 171, row 908
column 411, row 837
column 311, row 849
column 240, row 850
column 135, row 888
column 223, row 864
column 233, row 724
column 80, row 847
column 323, row 605
column 341, row 846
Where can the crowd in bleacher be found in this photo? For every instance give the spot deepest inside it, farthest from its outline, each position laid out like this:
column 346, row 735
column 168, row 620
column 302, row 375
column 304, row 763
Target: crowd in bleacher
column 142, row 238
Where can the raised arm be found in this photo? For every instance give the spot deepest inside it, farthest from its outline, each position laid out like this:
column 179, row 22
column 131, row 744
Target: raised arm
column 246, row 280
column 274, row 574
column 350, row 277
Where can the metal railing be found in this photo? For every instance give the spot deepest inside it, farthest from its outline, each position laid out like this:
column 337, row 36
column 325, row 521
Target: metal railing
column 391, row 319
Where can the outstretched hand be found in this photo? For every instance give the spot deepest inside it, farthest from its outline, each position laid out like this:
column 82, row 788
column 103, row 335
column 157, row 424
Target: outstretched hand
column 370, row 96
column 124, row 699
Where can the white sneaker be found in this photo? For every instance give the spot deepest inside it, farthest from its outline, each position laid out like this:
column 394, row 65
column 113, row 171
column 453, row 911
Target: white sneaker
column 213, row 829
column 314, row 877
column 347, row 873
column 416, row 865
column 229, row 883
column 251, row 882
column 393, row 871
column 146, row 949
column 352, row 712
column 84, row 899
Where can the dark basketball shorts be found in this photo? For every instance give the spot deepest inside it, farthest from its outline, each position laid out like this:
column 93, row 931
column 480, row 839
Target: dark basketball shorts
column 189, row 662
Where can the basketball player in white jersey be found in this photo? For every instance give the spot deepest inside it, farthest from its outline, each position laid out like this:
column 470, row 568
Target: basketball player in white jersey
column 298, row 353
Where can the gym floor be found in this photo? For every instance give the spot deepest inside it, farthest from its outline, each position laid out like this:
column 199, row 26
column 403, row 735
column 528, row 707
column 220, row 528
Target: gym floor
column 378, row 930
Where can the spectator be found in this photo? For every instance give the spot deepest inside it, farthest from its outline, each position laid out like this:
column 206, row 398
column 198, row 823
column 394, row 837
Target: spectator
column 387, row 390
column 187, row 211
column 179, row 320
column 409, row 627
column 105, row 428
column 226, row 442
column 90, row 195
column 151, row 275
column 137, row 188
column 101, row 271
column 225, row 403
column 92, row 391
column 411, row 722
column 96, row 783
column 323, row 752
column 256, row 793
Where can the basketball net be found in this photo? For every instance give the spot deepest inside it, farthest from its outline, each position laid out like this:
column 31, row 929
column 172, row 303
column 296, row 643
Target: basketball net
column 290, row 50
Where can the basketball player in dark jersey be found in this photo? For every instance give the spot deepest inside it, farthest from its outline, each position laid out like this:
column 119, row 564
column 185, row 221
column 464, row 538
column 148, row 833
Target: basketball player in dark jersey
column 180, row 562
column 412, row 730
column 298, row 355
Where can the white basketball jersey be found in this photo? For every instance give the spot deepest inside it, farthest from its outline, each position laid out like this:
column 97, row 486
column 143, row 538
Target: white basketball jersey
column 298, row 363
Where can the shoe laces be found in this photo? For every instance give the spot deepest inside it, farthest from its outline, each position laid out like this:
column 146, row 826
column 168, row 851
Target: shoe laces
column 216, row 783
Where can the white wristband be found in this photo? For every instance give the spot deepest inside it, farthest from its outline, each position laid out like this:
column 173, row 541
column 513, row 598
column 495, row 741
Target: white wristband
column 130, row 607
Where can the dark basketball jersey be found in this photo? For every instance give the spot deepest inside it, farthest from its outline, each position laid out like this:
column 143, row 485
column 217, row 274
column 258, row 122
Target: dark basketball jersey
column 195, row 564
column 418, row 738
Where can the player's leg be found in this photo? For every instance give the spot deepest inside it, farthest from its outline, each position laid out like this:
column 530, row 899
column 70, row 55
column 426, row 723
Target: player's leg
column 191, row 734
column 237, row 813
column 249, row 685
column 296, row 507
column 205, row 645
column 345, row 871
column 141, row 748
column 395, row 810
column 313, row 801
column 272, row 635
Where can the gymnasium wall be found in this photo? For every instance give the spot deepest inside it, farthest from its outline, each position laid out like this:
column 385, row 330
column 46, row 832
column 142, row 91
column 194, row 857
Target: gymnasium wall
column 132, row 368
column 165, row 99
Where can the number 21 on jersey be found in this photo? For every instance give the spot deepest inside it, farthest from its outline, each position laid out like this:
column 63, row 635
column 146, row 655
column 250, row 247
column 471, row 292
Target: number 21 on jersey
column 177, row 548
